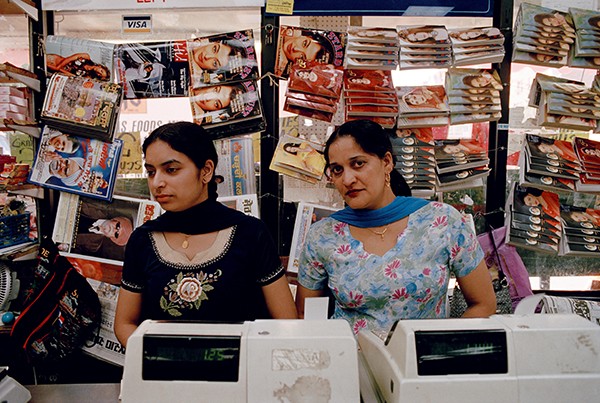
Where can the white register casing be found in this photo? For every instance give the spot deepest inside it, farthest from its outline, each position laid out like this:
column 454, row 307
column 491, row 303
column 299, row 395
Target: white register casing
column 262, row 361
column 505, row 358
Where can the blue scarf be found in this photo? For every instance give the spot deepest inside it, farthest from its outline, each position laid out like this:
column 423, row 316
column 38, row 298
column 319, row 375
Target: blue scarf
column 396, row 210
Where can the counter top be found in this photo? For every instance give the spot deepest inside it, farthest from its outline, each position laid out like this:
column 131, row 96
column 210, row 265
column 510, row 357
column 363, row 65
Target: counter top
column 75, row 393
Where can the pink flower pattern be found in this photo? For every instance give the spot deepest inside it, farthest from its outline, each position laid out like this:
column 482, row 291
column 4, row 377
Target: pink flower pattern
column 356, row 299
column 344, row 250
column 400, row 294
column 392, row 268
column 338, row 228
column 359, row 325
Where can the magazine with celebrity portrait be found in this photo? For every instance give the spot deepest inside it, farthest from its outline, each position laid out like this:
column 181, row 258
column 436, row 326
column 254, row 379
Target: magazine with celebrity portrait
column 297, row 45
column 223, row 57
column 99, row 230
column 153, row 69
column 76, row 164
column 79, row 57
column 226, row 104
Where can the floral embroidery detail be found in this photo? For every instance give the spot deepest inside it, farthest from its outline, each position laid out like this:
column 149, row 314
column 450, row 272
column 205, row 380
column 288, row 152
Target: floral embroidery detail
column 355, row 299
column 454, row 251
column 363, row 255
column 441, row 221
column 344, row 250
column 391, row 269
column 400, row 294
column 338, row 228
column 316, row 264
column 187, row 291
column 437, row 204
column 427, row 297
column 427, row 271
column 359, row 325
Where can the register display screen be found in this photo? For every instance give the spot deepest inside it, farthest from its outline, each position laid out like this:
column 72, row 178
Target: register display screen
column 453, row 352
column 191, row 358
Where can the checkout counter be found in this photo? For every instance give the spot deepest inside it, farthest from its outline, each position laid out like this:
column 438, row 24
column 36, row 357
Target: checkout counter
column 504, row 358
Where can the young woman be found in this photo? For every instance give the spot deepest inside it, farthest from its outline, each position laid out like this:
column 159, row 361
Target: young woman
column 78, row 64
column 387, row 256
column 200, row 260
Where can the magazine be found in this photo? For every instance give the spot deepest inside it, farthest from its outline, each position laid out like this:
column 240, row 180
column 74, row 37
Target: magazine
column 427, row 100
column 76, row 164
column 235, row 171
column 318, row 79
column 306, row 214
column 153, row 70
column 476, row 36
column 297, row 46
column 368, row 80
column 223, row 57
column 300, row 155
column 82, row 106
column 473, row 80
column 97, row 229
column 228, row 105
column 79, row 57
column 428, row 36
column 372, row 34
column 10, row 72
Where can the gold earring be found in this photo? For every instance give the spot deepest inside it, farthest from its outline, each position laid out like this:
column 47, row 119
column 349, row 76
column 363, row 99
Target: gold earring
column 388, row 179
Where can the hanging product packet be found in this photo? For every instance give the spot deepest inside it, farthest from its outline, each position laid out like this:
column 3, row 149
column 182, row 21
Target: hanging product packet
column 60, row 310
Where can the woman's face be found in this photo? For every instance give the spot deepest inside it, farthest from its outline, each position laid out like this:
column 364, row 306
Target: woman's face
column 419, row 36
column 173, row 178
column 300, row 47
column 213, row 98
column 359, row 177
column 470, row 34
column 452, row 149
column 547, row 148
column 62, row 143
column 415, row 98
column 212, row 56
column 481, row 81
column 531, row 200
column 556, row 21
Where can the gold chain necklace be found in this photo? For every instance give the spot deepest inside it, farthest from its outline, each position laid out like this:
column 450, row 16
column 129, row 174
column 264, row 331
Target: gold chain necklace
column 185, row 244
column 380, row 233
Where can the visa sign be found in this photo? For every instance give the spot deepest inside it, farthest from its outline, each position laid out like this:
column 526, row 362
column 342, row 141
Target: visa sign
column 136, row 24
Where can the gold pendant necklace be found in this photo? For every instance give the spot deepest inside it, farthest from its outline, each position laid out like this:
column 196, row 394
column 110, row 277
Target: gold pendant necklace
column 185, row 242
column 380, row 233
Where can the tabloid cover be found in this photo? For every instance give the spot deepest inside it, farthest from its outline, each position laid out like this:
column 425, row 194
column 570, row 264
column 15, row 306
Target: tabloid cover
column 80, row 165
column 98, row 229
column 223, row 57
column 373, row 34
column 422, row 100
column 467, row 37
column 473, row 80
column 79, row 57
column 82, row 106
column 225, row 104
column 153, row 69
column 319, row 79
column 368, row 80
column 299, row 155
column 423, row 36
column 296, row 45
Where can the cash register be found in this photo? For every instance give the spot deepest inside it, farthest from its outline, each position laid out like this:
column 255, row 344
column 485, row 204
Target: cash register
column 504, row 358
column 261, row 361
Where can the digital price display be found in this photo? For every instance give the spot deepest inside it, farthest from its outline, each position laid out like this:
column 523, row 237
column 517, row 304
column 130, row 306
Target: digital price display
column 452, row 352
column 191, row 358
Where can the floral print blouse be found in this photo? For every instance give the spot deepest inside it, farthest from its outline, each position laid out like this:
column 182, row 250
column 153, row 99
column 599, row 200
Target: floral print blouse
column 410, row 281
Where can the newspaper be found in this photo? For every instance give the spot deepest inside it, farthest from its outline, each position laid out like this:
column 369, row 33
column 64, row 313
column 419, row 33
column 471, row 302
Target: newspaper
column 247, row 204
column 235, row 171
column 104, row 345
column 307, row 214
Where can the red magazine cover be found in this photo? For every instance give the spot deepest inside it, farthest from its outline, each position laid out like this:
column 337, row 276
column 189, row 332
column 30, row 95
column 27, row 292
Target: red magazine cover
column 368, row 80
column 320, row 79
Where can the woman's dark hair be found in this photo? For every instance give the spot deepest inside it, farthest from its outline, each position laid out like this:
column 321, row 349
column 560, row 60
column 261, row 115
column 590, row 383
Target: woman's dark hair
column 325, row 55
column 375, row 140
column 594, row 21
column 524, row 192
column 539, row 18
column 287, row 146
column 189, row 139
